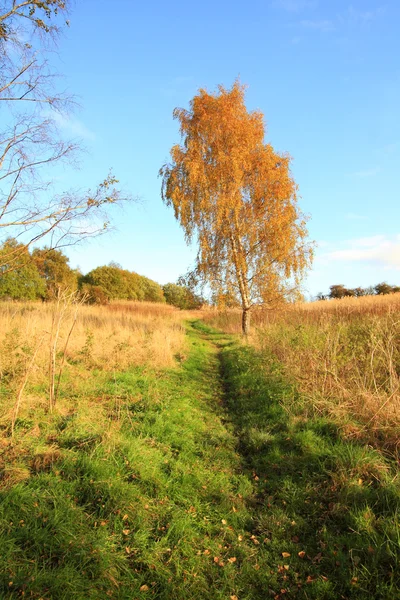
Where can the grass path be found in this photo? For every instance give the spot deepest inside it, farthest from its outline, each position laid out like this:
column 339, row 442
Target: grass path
column 199, row 482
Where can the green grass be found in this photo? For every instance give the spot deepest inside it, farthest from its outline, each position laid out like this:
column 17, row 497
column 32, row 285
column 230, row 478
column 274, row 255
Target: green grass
column 190, row 483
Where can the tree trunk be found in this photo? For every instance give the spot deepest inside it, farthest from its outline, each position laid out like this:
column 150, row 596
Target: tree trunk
column 245, row 321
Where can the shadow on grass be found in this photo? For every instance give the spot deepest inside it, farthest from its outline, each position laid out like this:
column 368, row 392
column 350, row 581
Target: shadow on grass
column 326, row 507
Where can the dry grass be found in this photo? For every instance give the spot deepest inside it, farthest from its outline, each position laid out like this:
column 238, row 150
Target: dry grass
column 106, row 338
column 344, row 356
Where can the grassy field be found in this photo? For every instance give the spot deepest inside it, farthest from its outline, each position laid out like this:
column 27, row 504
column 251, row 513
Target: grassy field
column 198, row 472
column 343, row 355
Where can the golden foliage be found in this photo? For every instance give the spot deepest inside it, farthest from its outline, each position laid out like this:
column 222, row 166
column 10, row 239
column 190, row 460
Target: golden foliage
column 237, row 195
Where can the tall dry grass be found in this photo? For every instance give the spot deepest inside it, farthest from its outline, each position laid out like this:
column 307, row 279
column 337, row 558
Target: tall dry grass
column 113, row 336
column 40, row 342
column 344, row 356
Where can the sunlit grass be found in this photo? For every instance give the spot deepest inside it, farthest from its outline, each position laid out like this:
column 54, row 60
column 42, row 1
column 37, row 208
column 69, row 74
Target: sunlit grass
column 344, row 355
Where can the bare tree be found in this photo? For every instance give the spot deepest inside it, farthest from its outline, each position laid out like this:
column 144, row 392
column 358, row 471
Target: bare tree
column 30, row 141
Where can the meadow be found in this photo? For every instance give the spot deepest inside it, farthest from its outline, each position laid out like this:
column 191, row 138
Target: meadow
column 343, row 355
column 147, row 452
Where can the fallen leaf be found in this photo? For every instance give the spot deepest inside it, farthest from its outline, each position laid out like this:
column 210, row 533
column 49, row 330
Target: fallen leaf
column 126, row 531
column 285, row 554
column 127, row 550
column 254, row 540
column 125, row 517
column 144, row 588
column 232, row 559
column 223, row 522
column 301, row 554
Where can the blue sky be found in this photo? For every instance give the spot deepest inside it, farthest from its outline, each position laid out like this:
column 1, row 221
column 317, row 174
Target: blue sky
column 326, row 75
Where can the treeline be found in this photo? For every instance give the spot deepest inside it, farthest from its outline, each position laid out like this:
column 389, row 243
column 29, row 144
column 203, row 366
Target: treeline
column 42, row 273
column 340, row 291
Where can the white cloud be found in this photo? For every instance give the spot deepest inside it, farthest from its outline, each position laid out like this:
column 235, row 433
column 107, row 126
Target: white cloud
column 349, row 17
column 72, row 126
column 355, row 217
column 366, row 173
column 378, row 250
column 295, row 5
column 362, row 17
column 323, row 25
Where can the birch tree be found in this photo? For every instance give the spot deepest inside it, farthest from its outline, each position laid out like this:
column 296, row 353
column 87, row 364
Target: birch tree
column 236, row 196
column 30, row 141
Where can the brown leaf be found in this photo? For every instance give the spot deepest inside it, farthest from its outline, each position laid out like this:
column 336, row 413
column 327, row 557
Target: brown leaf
column 285, row 554
column 301, row 554
column 144, row 588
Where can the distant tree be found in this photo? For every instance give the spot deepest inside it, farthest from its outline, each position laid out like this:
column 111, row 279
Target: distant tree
column 152, row 291
column 175, row 295
column 338, row 291
column 113, row 283
column 135, row 285
column 236, row 195
column 93, row 294
column 359, row 291
column 53, row 267
column 109, row 279
column 383, row 288
column 25, row 283
column 321, row 296
column 182, row 297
